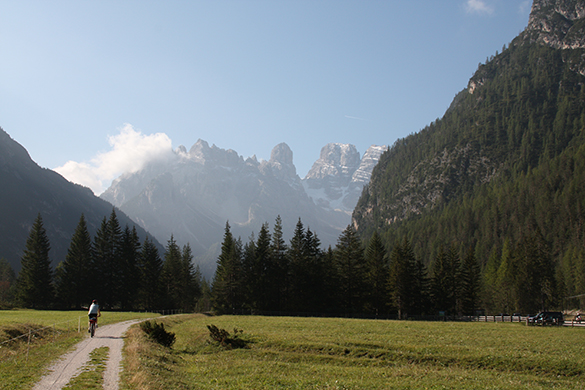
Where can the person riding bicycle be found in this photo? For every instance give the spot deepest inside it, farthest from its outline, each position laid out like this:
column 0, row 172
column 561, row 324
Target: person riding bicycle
column 94, row 311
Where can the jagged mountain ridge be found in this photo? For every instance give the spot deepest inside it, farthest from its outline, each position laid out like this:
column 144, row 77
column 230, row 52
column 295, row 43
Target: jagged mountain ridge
column 198, row 191
column 28, row 190
column 522, row 112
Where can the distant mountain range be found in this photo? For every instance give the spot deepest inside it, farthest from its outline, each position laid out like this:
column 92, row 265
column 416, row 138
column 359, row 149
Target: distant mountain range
column 27, row 190
column 193, row 195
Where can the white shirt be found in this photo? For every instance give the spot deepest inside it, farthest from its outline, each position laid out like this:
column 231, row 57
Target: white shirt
column 94, row 308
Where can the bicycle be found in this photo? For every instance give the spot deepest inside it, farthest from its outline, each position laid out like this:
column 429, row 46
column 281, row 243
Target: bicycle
column 92, row 325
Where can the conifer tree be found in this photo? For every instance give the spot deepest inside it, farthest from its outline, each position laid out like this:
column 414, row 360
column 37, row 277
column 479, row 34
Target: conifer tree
column 35, row 280
column 470, row 284
column 298, row 270
column 279, row 268
column 172, row 275
column 376, row 275
column 227, row 292
column 150, row 276
column 106, row 254
column 74, row 274
column 402, row 278
column 128, row 262
column 350, row 269
column 445, row 282
column 190, row 280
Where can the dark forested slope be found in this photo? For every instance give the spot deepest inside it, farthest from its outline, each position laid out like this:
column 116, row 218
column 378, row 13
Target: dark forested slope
column 505, row 163
column 27, row 190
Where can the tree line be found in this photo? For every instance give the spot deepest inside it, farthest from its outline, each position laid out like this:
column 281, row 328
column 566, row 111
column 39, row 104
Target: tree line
column 266, row 274
column 114, row 267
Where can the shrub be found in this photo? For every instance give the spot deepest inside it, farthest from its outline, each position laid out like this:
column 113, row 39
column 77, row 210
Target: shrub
column 158, row 333
column 223, row 337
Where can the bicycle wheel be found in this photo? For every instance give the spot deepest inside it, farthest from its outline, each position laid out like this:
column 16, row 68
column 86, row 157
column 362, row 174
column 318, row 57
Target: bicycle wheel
column 92, row 329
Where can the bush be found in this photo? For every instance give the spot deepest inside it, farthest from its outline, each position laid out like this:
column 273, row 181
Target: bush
column 223, row 337
column 158, row 333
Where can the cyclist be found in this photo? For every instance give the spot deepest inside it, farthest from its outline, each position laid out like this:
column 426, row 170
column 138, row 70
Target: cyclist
column 94, row 312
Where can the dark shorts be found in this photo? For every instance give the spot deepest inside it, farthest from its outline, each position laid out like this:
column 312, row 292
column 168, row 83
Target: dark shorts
column 92, row 316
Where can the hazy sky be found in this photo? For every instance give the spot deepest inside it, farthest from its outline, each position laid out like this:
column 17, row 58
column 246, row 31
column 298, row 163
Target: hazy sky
column 93, row 87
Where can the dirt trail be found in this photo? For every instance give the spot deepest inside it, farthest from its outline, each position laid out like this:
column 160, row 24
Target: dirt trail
column 70, row 364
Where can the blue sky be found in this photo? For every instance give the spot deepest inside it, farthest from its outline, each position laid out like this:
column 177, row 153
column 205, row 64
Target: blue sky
column 94, row 88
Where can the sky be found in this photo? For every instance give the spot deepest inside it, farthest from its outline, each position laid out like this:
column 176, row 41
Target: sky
column 93, row 89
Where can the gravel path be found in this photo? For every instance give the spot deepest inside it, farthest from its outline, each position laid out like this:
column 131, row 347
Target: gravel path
column 70, row 364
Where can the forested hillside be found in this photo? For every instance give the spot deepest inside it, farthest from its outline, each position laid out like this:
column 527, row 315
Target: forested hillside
column 502, row 172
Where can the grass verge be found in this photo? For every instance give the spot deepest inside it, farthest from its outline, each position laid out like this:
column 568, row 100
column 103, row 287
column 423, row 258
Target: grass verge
column 22, row 363
column 332, row 353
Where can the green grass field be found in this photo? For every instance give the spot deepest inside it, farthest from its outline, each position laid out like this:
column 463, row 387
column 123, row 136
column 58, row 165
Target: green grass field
column 331, row 353
column 23, row 363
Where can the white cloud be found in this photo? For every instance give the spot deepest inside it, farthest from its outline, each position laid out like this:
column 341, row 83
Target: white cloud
column 478, row 7
column 130, row 151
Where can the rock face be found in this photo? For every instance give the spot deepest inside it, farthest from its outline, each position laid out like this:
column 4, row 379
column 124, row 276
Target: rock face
column 193, row 195
column 336, row 179
column 27, row 190
column 557, row 23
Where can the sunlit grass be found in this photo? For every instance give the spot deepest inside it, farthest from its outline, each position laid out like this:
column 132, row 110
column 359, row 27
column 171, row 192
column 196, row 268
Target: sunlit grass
column 23, row 363
column 331, row 353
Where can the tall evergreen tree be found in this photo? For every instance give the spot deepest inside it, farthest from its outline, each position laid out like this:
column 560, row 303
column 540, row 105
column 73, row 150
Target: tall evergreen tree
column 35, row 280
column 470, row 283
column 402, row 278
column 298, row 277
column 106, row 254
column 376, row 275
column 445, row 282
column 534, row 274
column 279, row 268
column 73, row 276
column 172, row 275
column 350, row 269
column 129, row 275
column 227, row 291
column 150, row 276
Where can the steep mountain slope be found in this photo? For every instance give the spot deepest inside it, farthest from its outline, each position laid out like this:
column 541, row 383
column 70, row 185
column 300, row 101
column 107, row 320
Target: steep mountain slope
column 192, row 196
column 27, row 189
column 505, row 161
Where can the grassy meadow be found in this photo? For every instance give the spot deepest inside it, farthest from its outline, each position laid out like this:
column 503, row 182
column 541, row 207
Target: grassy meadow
column 21, row 363
column 334, row 353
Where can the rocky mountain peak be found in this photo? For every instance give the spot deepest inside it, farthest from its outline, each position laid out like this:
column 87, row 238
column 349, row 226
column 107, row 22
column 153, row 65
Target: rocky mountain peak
column 336, row 160
column 202, row 153
column 557, row 23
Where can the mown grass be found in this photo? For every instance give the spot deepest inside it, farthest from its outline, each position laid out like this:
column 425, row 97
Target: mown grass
column 332, row 353
column 23, row 363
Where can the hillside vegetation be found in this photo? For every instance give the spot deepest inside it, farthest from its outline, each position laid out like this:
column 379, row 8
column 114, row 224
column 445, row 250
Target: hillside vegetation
column 502, row 172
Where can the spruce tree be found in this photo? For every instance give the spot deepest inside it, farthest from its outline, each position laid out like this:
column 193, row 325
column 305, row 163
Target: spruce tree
column 279, row 268
column 227, row 292
column 128, row 263
column 402, row 278
column 445, row 282
column 172, row 275
column 376, row 275
column 73, row 276
column 106, row 254
column 150, row 276
column 470, row 283
column 350, row 269
column 35, row 280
